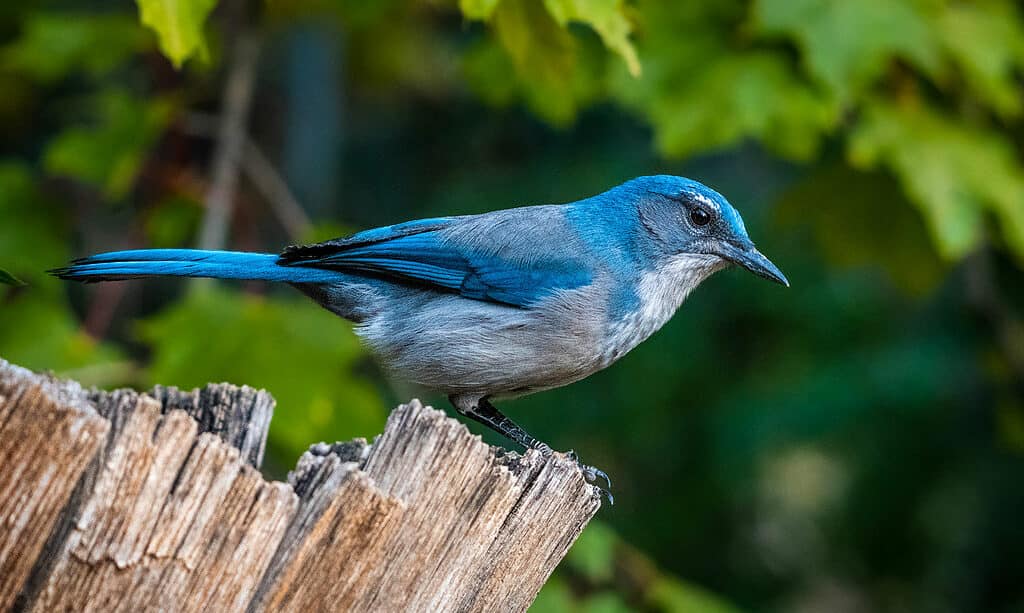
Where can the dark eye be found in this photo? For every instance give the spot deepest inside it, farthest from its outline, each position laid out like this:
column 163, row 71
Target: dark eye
column 699, row 217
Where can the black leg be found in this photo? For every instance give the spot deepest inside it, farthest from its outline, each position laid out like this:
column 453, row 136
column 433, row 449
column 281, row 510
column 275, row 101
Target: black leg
column 486, row 413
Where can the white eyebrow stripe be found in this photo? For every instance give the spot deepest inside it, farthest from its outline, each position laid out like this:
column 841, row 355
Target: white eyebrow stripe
column 708, row 202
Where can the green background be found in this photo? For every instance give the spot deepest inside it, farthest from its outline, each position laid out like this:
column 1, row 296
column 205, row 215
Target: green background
column 854, row 443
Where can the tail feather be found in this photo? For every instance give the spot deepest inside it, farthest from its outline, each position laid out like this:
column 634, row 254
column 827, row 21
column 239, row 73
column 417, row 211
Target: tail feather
column 140, row 263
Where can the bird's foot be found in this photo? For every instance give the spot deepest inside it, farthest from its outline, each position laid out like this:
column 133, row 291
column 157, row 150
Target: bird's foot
column 591, row 474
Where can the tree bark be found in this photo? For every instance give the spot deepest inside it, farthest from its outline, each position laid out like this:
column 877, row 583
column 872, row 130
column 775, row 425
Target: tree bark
column 128, row 501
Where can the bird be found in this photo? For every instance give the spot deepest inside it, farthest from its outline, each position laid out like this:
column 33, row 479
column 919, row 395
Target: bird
column 504, row 303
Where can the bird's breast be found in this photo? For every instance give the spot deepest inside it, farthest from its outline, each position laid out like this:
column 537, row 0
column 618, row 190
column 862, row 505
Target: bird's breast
column 659, row 292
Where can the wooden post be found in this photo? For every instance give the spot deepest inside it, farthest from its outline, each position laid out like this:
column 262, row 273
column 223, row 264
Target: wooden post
column 124, row 501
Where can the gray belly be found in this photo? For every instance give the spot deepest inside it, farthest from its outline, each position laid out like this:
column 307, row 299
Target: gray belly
column 456, row 345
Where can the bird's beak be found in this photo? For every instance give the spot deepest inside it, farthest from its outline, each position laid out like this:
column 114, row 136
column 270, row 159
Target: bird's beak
column 753, row 260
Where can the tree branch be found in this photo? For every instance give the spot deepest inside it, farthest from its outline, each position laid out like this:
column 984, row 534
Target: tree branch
column 231, row 137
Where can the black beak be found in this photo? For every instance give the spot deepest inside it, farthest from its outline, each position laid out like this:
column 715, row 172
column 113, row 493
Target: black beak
column 753, row 260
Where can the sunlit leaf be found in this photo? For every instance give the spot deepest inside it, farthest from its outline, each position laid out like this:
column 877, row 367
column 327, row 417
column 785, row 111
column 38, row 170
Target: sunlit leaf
column 178, row 25
column 478, row 9
column 538, row 46
column 543, row 56
column 953, row 171
column 607, row 18
column 986, row 41
column 845, row 44
column 717, row 103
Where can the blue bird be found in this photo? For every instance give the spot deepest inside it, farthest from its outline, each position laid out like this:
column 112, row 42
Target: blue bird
column 504, row 303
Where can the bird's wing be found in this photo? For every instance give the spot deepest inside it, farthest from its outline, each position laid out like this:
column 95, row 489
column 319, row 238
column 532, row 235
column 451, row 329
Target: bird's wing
column 422, row 252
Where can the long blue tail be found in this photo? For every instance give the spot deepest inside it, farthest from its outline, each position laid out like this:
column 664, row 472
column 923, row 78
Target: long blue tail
column 139, row 263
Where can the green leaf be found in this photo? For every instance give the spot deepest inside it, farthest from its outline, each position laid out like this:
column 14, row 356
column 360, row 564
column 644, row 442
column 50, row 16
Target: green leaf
column 986, row 42
column 847, row 45
column 703, row 92
column 953, row 171
column 178, row 25
column 717, row 103
column 543, row 55
column 52, row 45
column 478, row 9
column 109, row 153
column 7, row 278
column 607, row 18
column 538, row 46
column 305, row 356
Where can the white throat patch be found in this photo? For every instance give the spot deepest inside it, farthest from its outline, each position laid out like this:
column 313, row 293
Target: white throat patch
column 661, row 292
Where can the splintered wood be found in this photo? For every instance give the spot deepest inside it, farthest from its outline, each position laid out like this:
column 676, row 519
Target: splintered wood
column 124, row 502
column 46, row 440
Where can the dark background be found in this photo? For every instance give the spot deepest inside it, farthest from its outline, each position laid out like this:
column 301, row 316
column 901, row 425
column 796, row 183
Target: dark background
column 853, row 443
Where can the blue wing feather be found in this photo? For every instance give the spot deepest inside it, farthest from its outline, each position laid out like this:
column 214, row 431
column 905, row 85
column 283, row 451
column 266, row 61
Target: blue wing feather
column 419, row 252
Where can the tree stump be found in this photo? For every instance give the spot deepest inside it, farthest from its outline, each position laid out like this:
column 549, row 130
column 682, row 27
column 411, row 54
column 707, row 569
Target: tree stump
column 121, row 501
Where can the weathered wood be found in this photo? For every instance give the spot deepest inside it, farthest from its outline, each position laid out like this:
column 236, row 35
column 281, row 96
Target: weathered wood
column 436, row 521
column 48, row 434
column 175, row 517
column 172, row 514
column 240, row 416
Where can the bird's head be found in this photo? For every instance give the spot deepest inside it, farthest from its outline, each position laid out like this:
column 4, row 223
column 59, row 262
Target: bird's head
column 685, row 217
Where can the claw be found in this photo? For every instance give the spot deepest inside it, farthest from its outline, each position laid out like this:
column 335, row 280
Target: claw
column 600, row 474
column 592, row 474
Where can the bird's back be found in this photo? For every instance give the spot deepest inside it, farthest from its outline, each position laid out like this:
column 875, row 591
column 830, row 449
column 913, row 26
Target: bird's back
column 544, row 329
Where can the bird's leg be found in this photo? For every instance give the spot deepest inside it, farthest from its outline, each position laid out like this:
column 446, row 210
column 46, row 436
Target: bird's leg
column 487, row 414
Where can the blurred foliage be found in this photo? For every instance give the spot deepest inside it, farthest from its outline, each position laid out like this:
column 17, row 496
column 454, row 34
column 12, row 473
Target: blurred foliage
column 108, row 153
column 303, row 353
column 854, row 443
column 602, row 573
column 8, row 279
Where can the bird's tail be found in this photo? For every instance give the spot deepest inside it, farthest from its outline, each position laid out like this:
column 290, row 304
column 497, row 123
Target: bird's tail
column 139, row 263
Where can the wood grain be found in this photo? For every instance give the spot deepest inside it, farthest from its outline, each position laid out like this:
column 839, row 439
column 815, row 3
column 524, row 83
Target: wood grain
column 48, row 435
column 123, row 501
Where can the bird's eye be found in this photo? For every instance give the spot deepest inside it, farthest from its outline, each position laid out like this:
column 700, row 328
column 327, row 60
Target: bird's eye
column 699, row 217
